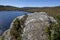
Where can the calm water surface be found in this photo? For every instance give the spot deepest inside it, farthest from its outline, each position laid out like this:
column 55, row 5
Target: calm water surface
column 6, row 17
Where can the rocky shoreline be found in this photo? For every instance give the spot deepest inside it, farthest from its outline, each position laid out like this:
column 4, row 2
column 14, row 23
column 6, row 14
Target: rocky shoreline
column 34, row 27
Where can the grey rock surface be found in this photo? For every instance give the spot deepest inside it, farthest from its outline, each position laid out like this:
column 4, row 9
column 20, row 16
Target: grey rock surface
column 35, row 25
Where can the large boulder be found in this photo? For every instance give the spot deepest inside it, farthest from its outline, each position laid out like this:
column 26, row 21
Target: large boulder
column 34, row 26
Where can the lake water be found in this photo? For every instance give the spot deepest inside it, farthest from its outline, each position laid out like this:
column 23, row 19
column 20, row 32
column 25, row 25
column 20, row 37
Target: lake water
column 6, row 17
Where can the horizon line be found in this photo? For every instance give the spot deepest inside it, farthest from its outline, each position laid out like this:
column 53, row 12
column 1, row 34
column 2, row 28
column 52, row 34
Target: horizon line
column 28, row 6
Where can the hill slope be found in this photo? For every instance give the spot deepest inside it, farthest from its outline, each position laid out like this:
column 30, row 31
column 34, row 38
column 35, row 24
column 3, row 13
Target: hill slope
column 9, row 8
column 53, row 11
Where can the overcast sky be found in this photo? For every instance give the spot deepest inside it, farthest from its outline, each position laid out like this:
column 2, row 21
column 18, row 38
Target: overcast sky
column 30, row 3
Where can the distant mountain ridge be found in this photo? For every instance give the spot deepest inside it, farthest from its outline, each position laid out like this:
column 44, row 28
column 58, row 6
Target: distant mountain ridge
column 52, row 11
column 8, row 8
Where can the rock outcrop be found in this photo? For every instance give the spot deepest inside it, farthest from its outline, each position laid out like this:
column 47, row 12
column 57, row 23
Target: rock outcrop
column 35, row 26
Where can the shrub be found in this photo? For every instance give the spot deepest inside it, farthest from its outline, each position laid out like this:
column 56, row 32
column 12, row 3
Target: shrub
column 53, row 30
column 17, row 28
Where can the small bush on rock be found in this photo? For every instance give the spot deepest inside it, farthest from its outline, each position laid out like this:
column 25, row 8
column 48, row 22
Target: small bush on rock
column 53, row 30
column 17, row 28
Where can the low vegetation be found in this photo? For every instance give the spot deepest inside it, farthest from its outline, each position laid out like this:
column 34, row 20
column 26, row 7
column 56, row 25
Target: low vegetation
column 53, row 30
column 3, row 38
column 52, row 11
column 17, row 28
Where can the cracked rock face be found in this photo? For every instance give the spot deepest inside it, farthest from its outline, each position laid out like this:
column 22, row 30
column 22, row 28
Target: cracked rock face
column 35, row 26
